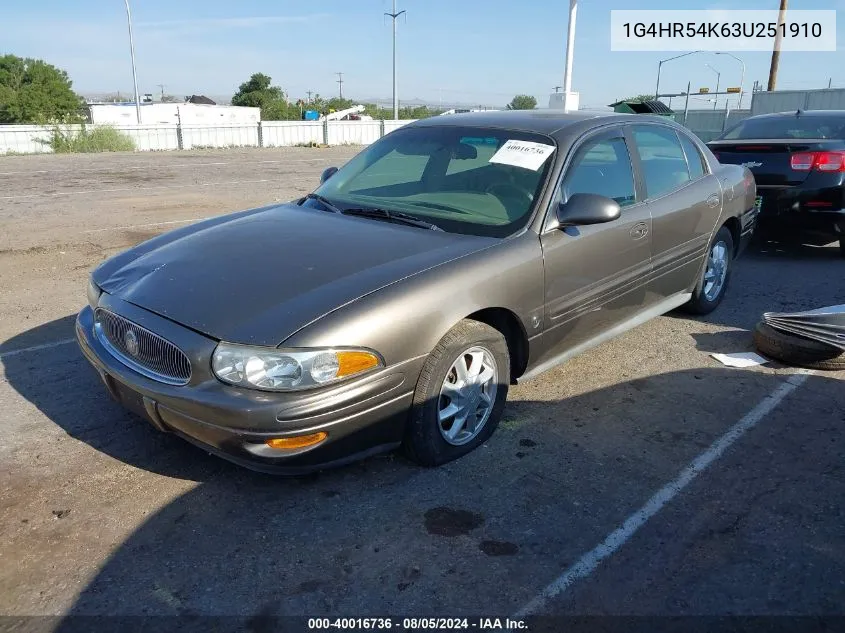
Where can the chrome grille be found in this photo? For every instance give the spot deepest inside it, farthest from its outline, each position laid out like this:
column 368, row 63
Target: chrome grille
column 142, row 350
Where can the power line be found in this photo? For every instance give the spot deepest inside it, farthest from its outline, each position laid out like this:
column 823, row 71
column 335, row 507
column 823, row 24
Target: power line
column 340, row 83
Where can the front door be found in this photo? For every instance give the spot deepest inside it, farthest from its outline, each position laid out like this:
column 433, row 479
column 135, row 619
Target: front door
column 596, row 275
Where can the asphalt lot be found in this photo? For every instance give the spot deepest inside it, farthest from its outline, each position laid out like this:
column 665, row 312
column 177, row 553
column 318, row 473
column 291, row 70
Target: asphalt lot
column 582, row 502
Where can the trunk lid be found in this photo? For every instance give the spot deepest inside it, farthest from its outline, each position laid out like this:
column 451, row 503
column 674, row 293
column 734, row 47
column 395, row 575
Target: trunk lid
column 769, row 159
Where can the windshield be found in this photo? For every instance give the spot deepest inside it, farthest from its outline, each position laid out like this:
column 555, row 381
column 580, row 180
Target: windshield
column 798, row 127
column 470, row 180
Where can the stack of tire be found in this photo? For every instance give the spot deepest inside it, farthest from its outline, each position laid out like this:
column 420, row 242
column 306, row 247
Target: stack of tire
column 812, row 339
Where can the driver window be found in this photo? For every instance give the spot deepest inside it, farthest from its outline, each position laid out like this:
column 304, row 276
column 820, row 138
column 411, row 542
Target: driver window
column 602, row 167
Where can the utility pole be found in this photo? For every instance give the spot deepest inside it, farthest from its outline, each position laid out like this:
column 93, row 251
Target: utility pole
column 309, row 93
column 773, row 69
column 134, row 73
column 395, row 15
column 570, row 53
column 162, row 86
column 718, row 80
column 340, row 83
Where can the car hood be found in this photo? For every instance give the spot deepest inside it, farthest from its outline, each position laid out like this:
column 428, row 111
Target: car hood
column 258, row 276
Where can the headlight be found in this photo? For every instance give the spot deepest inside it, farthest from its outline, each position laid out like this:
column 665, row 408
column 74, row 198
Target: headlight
column 93, row 293
column 284, row 370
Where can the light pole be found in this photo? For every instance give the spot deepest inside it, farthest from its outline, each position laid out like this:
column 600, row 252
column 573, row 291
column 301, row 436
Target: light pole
column 134, row 73
column 741, row 78
column 395, row 15
column 570, row 53
column 718, row 80
column 660, row 66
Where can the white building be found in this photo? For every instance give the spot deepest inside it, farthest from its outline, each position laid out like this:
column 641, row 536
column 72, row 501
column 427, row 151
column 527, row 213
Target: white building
column 173, row 113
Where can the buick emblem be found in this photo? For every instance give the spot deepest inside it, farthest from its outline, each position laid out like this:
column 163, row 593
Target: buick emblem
column 130, row 339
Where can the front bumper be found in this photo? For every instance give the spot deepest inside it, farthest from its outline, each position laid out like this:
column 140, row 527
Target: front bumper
column 360, row 417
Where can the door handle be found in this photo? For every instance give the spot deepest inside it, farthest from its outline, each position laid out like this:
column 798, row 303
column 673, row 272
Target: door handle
column 639, row 230
column 713, row 200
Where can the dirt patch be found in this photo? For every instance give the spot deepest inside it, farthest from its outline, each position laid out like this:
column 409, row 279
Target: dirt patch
column 451, row 522
column 498, row 548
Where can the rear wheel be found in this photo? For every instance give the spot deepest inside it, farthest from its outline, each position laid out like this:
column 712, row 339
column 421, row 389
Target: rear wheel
column 710, row 289
column 460, row 394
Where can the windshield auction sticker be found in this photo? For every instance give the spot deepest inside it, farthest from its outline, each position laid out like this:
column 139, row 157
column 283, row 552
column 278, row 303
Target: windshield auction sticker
column 523, row 154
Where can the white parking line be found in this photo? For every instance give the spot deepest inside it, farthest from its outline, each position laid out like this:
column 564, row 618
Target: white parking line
column 616, row 539
column 135, row 189
column 118, row 168
column 35, row 348
column 140, row 226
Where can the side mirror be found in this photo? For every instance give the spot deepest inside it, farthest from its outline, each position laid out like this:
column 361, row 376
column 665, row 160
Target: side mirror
column 587, row 208
column 328, row 172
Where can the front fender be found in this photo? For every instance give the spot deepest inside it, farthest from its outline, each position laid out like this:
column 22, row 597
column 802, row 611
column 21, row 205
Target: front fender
column 407, row 319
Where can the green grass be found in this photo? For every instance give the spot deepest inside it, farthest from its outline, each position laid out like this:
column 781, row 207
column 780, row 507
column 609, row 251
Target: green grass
column 89, row 140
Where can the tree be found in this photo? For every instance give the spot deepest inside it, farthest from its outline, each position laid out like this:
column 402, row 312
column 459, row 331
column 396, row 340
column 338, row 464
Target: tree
column 522, row 102
column 639, row 98
column 115, row 98
column 257, row 92
column 33, row 91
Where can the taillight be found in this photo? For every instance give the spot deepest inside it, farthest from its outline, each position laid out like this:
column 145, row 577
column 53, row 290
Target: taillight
column 819, row 161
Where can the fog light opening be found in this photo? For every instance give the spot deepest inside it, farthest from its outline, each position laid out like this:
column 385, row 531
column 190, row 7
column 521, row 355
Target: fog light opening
column 300, row 441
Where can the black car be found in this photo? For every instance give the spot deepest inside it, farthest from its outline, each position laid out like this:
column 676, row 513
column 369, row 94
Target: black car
column 798, row 161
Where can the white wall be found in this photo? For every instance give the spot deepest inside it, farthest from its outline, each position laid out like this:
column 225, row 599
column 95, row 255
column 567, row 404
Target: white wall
column 219, row 136
column 288, row 133
column 25, row 139
column 173, row 113
column 353, row 132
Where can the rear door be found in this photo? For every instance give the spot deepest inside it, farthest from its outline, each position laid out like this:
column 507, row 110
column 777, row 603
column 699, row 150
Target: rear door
column 685, row 201
column 596, row 275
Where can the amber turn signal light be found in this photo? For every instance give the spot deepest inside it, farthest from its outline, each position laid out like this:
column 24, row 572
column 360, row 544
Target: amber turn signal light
column 350, row 363
column 300, row 441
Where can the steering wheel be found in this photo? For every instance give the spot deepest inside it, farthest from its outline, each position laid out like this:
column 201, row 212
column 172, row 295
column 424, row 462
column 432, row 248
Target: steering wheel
column 508, row 190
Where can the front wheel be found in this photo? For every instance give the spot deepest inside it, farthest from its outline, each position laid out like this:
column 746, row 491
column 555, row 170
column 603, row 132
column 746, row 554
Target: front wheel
column 460, row 394
column 711, row 287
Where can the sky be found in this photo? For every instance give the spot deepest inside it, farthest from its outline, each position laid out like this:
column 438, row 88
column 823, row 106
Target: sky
column 469, row 51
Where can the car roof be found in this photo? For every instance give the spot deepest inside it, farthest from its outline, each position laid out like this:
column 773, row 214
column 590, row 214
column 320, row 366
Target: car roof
column 801, row 113
column 550, row 122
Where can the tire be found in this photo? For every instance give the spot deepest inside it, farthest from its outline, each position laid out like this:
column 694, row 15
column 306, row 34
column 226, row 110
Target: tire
column 797, row 350
column 425, row 440
column 702, row 302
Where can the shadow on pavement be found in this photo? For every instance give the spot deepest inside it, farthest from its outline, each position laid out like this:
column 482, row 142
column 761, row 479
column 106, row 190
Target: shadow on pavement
column 478, row 536
column 64, row 387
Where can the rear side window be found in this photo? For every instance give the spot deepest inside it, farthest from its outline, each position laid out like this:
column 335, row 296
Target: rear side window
column 602, row 167
column 662, row 158
column 694, row 158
